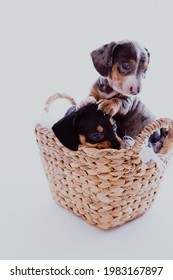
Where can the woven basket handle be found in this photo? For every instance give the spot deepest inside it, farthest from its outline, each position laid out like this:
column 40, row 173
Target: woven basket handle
column 150, row 129
column 55, row 96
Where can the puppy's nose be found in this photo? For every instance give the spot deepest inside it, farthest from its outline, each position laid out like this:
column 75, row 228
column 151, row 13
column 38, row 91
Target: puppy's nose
column 134, row 90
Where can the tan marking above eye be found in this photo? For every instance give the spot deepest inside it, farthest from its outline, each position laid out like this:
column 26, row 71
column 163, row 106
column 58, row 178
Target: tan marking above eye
column 100, row 128
column 112, row 121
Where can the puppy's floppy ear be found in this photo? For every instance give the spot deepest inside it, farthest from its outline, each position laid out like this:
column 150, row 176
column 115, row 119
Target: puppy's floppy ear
column 103, row 58
column 65, row 131
column 148, row 54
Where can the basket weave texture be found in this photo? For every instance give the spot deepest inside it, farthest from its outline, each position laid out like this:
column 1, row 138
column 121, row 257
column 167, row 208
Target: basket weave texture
column 105, row 187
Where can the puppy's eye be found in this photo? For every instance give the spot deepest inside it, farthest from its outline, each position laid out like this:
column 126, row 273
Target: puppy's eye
column 97, row 136
column 125, row 67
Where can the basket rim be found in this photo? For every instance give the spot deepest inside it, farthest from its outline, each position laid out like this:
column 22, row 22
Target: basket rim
column 136, row 147
column 138, row 141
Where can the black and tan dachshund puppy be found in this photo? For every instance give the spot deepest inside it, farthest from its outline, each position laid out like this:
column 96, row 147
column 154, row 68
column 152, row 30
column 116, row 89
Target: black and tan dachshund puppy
column 88, row 126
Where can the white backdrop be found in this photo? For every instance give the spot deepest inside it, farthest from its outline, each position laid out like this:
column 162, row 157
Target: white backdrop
column 45, row 48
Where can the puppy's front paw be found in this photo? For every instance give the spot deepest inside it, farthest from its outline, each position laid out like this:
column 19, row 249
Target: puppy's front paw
column 88, row 100
column 108, row 107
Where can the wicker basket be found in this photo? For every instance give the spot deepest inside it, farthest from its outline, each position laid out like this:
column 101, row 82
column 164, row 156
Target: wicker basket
column 105, row 187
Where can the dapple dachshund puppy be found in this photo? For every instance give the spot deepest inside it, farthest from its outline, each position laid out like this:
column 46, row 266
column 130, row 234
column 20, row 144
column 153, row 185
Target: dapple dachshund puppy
column 122, row 66
column 88, row 126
